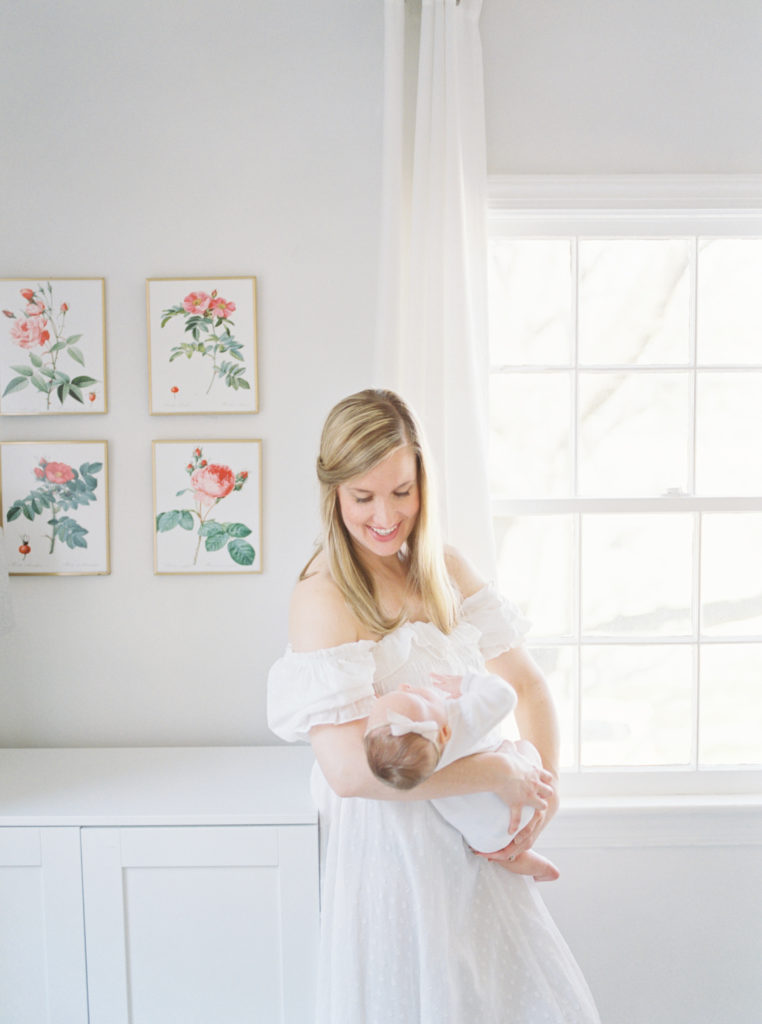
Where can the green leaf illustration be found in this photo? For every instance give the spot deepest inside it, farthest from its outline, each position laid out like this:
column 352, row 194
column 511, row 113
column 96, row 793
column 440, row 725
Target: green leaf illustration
column 237, row 530
column 17, row 384
column 166, row 521
column 215, row 541
column 76, row 355
column 241, row 551
column 25, row 371
column 211, row 527
column 69, row 531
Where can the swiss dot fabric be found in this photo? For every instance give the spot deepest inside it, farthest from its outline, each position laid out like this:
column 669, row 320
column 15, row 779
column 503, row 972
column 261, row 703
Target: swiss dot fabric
column 415, row 928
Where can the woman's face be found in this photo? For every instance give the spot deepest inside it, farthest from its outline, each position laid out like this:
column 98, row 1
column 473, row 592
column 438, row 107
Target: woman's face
column 380, row 509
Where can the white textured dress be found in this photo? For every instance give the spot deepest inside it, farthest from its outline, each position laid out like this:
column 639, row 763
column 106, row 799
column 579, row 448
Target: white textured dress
column 416, row 929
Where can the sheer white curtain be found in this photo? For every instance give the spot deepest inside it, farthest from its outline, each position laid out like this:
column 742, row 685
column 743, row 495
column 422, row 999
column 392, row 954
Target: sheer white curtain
column 432, row 326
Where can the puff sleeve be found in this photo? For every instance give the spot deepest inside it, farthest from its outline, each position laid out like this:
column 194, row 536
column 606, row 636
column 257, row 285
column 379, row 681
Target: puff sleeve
column 325, row 687
column 499, row 621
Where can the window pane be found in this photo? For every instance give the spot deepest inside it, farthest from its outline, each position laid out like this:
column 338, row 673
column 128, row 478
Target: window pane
column 536, row 566
column 559, row 666
column 730, row 300
column 731, row 574
column 634, row 300
column 530, row 449
column 636, row 574
column 636, row 705
column 634, row 433
column 530, row 298
column 730, row 710
column 729, row 433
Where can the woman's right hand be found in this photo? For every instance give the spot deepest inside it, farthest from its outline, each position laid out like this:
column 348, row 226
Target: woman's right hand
column 519, row 783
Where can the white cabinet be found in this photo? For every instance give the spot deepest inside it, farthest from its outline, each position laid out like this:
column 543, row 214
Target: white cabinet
column 42, row 943
column 153, row 887
column 194, row 925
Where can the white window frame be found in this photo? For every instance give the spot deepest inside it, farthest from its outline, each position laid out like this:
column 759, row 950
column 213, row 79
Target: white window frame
column 643, row 206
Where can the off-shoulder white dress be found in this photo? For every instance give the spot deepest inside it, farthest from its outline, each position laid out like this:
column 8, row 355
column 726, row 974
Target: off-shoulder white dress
column 416, row 929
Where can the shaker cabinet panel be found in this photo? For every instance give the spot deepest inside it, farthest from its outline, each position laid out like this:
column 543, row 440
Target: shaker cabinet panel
column 200, row 924
column 42, row 948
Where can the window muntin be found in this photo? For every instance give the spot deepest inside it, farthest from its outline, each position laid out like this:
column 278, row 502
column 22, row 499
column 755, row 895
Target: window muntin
column 627, row 496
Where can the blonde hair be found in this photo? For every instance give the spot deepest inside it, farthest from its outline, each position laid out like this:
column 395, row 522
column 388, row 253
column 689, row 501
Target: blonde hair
column 400, row 761
column 359, row 433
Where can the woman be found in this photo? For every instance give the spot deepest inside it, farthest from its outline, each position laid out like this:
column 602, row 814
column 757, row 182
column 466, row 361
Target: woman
column 416, row 929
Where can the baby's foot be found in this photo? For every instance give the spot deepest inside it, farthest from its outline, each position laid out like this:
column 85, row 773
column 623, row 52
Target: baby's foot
column 531, row 863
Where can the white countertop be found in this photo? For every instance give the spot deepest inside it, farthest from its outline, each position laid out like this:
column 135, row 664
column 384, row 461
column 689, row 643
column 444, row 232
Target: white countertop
column 156, row 786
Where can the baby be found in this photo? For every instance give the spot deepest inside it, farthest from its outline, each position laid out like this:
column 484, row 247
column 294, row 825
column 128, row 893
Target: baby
column 413, row 731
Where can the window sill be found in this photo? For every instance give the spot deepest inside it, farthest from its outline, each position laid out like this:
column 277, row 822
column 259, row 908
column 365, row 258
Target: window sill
column 657, row 821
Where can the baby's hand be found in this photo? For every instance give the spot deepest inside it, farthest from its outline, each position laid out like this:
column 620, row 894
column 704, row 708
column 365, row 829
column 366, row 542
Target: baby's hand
column 450, row 684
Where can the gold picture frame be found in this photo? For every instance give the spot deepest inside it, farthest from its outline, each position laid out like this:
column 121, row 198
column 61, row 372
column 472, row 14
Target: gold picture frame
column 202, row 345
column 55, row 507
column 191, row 480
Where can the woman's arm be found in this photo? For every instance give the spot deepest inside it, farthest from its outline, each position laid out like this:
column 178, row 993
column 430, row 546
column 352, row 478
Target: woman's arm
column 340, row 753
column 319, row 619
column 538, row 722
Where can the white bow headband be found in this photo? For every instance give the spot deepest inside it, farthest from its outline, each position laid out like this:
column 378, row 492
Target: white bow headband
column 401, row 725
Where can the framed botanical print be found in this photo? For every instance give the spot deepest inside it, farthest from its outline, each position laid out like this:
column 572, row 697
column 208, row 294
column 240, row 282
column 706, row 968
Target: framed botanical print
column 52, row 346
column 202, row 345
column 54, row 498
column 207, row 506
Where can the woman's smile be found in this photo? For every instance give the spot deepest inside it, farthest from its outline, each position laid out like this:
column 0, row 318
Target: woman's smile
column 384, row 534
column 380, row 508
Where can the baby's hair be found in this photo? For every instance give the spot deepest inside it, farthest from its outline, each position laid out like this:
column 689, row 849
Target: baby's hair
column 400, row 761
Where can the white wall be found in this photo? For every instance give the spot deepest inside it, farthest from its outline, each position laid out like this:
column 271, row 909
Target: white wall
column 623, row 86
column 662, row 906
column 182, row 137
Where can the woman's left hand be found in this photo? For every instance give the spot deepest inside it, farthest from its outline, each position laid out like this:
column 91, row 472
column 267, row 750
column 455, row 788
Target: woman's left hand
column 526, row 838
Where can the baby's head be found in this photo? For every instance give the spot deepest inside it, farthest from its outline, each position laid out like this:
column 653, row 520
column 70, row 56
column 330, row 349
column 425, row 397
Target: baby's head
column 406, row 733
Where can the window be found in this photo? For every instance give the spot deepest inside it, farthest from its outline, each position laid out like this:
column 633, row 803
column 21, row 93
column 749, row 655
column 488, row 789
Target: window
column 626, row 471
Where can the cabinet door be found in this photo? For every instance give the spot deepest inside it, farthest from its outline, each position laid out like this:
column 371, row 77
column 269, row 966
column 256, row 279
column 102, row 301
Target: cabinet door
column 194, row 925
column 42, row 945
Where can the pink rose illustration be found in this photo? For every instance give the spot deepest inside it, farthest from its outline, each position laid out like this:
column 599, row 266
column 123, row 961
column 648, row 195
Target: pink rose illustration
column 41, row 330
column 58, row 488
column 211, row 483
column 208, row 333
column 196, row 302
column 221, row 307
column 58, row 472
column 30, row 333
